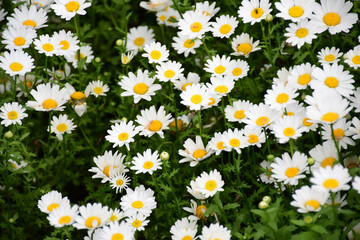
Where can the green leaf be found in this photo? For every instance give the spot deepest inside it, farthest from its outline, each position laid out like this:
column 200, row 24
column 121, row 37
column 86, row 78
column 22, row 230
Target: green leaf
column 298, row 222
column 231, row 206
column 319, row 229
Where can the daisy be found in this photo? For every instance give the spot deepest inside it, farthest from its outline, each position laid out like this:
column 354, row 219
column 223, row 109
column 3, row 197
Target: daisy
column 224, row 26
column 63, row 216
column 238, row 69
column 92, row 216
column 85, row 52
column 138, row 37
column 356, row 184
column 12, row 113
column 236, row 112
column 116, row 215
column 183, row 229
column 5, row 84
column 61, row 125
column 139, row 200
column 340, row 131
column 266, row 176
column 155, row 52
column 338, row 200
column 137, row 222
column 218, row 66
column 234, row 139
column 289, row 169
column 333, row 15
column 254, row 11
column 196, row 210
column 215, row 231
column 161, row 17
column 146, row 163
column 183, row 82
column 329, row 55
column 182, row 122
column 326, row 106
column 69, row 44
column 121, row 134
column 67, row 9
column 294, row 10
column 355, row 101
column 48, row 97
column 286, row 128
column 300, row 75
column 282, row 75
column 18, row 38
column 243, row 45
column 280, row 96
column 17, row 166
column 77, row 99
column 24, row 16
column 213, row 100
column 308, row 199
column 2, row 14
column 216, row 143
column 333, row 77
column 194, row 191
column 152, row 121
column 27, row 83
column 17, row 62
column 221, row 85
column 156, row 5
column 172, row 18
column 45, row 4
column 355, row 128
column 261, row 115
column 51, row 201
column 108, row 165
column 351, row 162
column 210, row 184
column 255, row 136
column 194, row 24
column 195, row 97
column 206, row 8
column 300, row 33
column 324, row 155
column 127, row 57
column 96, row 88
column 141, row 86
column 185, row 45
column 194, row 152
column 170, row 70
column 353, row 57
column 119, row 181
column 47, row 45
column 332, row 179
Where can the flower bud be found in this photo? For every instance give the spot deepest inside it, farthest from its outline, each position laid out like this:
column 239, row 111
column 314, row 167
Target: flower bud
column 263, row 205
column 308, row 219
column 124, row 119
column 164, row 156
column 8, row 134
column 11, row 220
column 58, row 75
column 311, row 161
column 97, row 59
column 269, row 18
column 267, row 199
column 270, row 157
column 141, row 48
column 119, row 42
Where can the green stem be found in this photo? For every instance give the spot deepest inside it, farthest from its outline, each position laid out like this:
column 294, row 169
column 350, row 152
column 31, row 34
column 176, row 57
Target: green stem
column 333, row 205
column 291, row 142
column 14, row 88
column 311, row 54
column 336, row 143
column 87, row 140
column 205, row 47
column 176, row 4
column 46, row 69
column 49, row 135
column 267, row 140
column 200, row 123
column 267, row 43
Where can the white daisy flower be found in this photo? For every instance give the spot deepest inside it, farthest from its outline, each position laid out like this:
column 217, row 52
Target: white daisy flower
column 116, row 215
column 355, row 101
column 184, row 229
column 92, row 216
column 181, row 121
column 16, row 165
column 210, row 183
column 155, row 52
column 355, row 129
column 5, row 84
column 215, row 231
column 47, row 45
column 161, row 17
column 282, row 75
column 185, row 45
column 146, row 163
column 224, row 26
column 152, row 121
column 195, row 97
column 353, row 57
column 234, row 139
column 12, row 113
column 85, row 53
column 333, row 15
column 254, row 11
column 324, row 155
column 51, row 201
column 194, row 191
column 207, row 8
column 338, row 200
column 213, row 100
column 69, row 44
column 261, row 115
column 119, row 181
column 216, row 143
column 255, row 136
column 238, row 69
column 286, row 128
column 61, row 125
column 121, row 134
column 183, row 82
column 300, row 75
column 243, row 45
column 356, row 184
column 236, row 112
column 280, row 96
column 16, row 62
column 289, row 169
column 139, row 200
column 194, row 152
column 294, row 10
column 137, row 222
column 77, row 99
column 341, row 133
column 141, row 86
column 138, row 37
column 221, row 85
column 170, row 70
column 18, row 38
column 332, row 179
column 63, row 216
column 48, row 97
column 266, row 176
column 194, row 24
column 96, row 88
column 329, row 55
column 196, row 210
column 44, row 4
column 24, row 16
column 115, row 231
column 2, row 14
column 172, row 17
column 308, row 199
column 218, row 66
column 300, row 33
column 67, row 9
column 127, row 57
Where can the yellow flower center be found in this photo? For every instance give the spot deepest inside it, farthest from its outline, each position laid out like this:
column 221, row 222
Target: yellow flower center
column 155, row 125
column 356, row 59
column 72, row 6
column 330, row 117
column 117, row 236
column 141, row 88
column 206, row 13
column 19, row 41
column 139, row 41
column 304, row 79
column 289, row 132
column 234, row 142
column 49, row 104
column 29, row 23
column 331, row 82
column 225, row 29
column 28, row 84
column 113, row 218
column 245, row 48
column 331, row 183
column 16, row 67
column 296, row 11
column 339, row 134
column 78, row 96
column 53, row 206
column 239, row 114
column 329, row 58
column 212, row 101
column 136, row 223
column 185, row 85
column 169, row 73
column 123, row 136
column 261, row 121
column 221, row 89
column 98, row 90
column 306, row 122
column 220, row 145
column 137, row 204
column 282, row 98
column 162, row 18
column 291, row 172
column 119, row 182
column 65, row 44
column 257, row 12
column 189, row 43
column 200, row 211
column 329, row 161
column 77, row 56
column 61, row 127
column 253, row 139
column 64, row 220
column 302, row 32
column 236, row 72
column 199, row 153
column 210, row 185
column 220, row 69
column 148, row 165
column 196, row 27
column 331, row 19
column 12, row 115
column 196, row 99
column 179, row 124
column 187, row 238
column 313, row 203
column 89, row 222
column 48, row 47
column 155, row 54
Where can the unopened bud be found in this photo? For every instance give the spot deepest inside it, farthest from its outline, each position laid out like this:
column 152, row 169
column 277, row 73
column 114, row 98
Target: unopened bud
column 267, row 199
column 141, row 48
column 120, row 76
column 269, row 18
column 11, row 220
column 124, row 119
column 197, row 125
column 263, row 205
column 303, row 96
column 8, row 134
column 311, row 161
column 58, row 75
column 270, row 157
column 97, row 59
column 119, row 42
column 308, row 219
column 164, row 156
column 106, row 74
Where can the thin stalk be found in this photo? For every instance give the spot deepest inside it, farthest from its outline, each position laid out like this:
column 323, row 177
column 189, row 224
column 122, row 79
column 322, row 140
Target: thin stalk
column 46, row 69
column 291, row 142
column 176, row 4
column 336, row 143
column 14, row 88
column 267, row 141
column 205, row 47
column 200, row 123
column 49, row 135
column 267, row 43
column 311, row 54
column 336, row 220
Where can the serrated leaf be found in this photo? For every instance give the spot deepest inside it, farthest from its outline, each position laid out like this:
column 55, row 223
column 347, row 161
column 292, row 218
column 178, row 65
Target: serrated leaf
column 231, row 206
